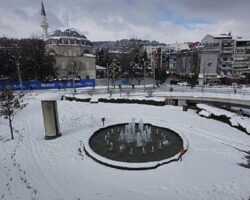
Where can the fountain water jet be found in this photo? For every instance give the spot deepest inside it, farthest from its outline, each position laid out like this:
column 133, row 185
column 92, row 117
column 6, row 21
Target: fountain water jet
column 140, row 135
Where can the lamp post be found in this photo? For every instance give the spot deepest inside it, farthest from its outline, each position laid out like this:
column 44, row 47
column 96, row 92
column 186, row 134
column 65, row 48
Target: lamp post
column 74, row 75
column 144, row 75
column 19, row 76
column 153, row 67
column 108, row 75
column 18, row 69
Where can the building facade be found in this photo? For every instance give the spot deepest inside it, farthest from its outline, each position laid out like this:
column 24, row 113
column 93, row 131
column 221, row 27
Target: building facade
column 226, row 53
column 241, row 63
column 208, row 63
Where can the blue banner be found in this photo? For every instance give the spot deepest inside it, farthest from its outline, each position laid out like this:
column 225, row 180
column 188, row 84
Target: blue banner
column 40, row 85
column 125, row 82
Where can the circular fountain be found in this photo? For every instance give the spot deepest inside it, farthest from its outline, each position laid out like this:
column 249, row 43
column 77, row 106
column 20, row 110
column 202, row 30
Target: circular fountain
column 135, row 145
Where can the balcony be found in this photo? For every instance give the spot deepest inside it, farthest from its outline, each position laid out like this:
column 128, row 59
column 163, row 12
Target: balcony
column 227, row 51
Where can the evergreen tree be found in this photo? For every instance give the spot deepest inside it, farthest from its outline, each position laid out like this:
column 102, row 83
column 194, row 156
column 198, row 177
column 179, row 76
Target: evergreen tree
column 9, row 105
column 140, row 66
column 113, row 72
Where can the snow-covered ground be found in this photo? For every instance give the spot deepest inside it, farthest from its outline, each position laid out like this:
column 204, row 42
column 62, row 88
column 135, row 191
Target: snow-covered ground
column 234, row 119
column 34, row 168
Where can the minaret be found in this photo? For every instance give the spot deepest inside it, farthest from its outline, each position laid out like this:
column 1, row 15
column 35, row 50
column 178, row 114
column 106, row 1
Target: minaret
column 44, row 23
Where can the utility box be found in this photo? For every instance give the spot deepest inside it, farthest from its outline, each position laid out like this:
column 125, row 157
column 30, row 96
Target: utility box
column 50, row 118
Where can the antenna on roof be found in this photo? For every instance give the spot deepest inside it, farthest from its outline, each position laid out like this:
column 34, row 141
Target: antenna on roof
column 67, row 23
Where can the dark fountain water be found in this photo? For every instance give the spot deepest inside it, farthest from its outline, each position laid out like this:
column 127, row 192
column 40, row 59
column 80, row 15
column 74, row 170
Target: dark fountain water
column 136, row 142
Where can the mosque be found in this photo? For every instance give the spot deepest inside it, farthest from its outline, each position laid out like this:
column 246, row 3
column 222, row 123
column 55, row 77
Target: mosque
column 72, row 50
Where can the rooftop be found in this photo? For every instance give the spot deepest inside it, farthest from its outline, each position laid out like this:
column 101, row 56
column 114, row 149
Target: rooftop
column 68, row 33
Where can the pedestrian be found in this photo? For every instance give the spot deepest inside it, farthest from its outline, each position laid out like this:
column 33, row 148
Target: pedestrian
column 239, row 112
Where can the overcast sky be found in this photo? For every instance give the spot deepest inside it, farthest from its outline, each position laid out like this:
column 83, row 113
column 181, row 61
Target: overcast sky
column 163, row 20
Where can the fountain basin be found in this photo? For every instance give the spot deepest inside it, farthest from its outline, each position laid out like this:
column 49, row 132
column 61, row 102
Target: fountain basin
column 161, row 146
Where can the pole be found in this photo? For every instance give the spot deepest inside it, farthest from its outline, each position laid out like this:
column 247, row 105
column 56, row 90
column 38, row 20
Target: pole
column 161, row 59
column 19, row 76
column 153, row 67
column 144, row 75
column 108, row 75
column 203, row 77
column 74, row 75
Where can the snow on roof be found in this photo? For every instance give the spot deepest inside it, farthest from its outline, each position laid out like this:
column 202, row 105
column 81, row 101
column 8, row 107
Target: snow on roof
column 117, row 52
column 89, row 55
column 220, row 36
column 68, row 32
column 60, row 37
column 242, row 39
column 223, row 36
column 100, row 67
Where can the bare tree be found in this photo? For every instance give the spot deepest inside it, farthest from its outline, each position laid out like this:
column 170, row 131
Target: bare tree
column 10, row 104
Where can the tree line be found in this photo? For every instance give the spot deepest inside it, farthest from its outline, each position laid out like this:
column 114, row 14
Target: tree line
column 134, row 64
column 29, row 56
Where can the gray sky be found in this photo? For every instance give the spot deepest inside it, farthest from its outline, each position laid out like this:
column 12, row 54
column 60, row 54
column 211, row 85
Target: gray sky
column 163, row 20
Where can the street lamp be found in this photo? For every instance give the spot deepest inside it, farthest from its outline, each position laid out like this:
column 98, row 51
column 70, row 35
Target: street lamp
column 19, row 76
column 108, row 75
column 144, row 63
column 74, row 75
column 153, row 67
column 18, row 69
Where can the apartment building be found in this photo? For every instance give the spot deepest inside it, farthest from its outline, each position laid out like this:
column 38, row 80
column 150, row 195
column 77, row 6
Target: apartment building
column 226, row 53
column 241, row 64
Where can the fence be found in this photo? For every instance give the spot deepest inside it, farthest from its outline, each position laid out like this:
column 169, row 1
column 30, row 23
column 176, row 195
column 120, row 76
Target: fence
column 40, row 85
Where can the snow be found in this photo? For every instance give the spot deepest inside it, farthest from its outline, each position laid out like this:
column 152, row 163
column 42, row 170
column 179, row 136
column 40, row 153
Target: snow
column 67, row 37
column 89, row 55
column 204, row 113
column 94, row 100
column 117, row 96
column 34, row 168
column 234, row 119
column 100, row 67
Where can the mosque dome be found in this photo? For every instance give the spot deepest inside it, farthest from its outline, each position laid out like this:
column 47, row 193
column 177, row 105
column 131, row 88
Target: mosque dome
column 68, row 36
